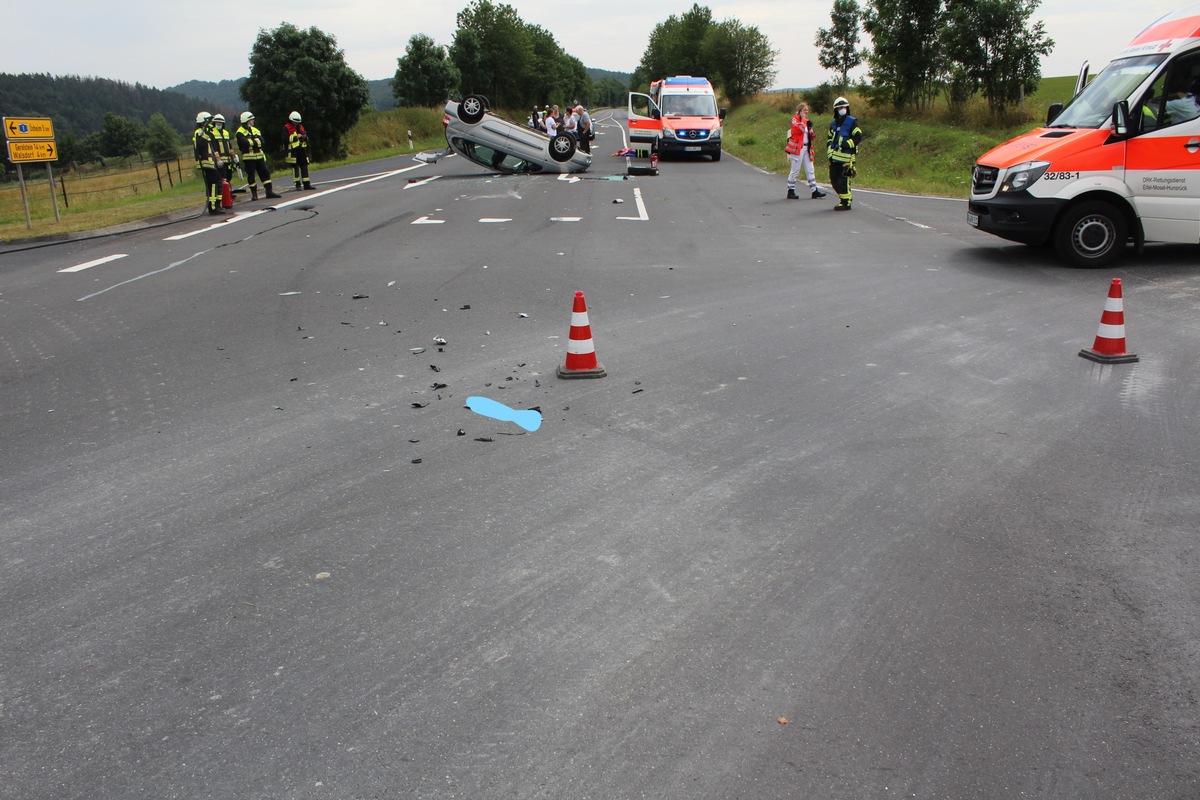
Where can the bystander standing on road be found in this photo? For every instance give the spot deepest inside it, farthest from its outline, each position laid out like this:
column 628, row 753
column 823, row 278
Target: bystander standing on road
column 585, row 129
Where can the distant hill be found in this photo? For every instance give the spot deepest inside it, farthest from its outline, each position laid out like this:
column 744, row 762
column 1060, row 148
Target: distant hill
column 226, row 92
column 77, row 105
column 598, row 75
column 219, row 93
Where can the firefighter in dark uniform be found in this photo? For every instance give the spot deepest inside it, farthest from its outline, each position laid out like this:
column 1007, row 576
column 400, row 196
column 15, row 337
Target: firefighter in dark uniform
column 842, row 150
column 297, row 149
column 254, row 160
column 208, row 160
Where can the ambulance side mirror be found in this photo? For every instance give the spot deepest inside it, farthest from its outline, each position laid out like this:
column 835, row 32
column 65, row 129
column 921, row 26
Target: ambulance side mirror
column 655, row 113
column 722, row 114
column 1120, row 116
column 1052, row 113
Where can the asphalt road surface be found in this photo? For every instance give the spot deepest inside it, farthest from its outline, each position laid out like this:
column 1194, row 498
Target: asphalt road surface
column 848, row 517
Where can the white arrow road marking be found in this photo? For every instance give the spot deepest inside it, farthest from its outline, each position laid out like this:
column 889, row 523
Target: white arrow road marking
column 427, row 221
column 96, row 263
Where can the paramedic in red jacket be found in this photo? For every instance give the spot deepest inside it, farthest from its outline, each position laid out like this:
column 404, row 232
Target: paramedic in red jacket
column 800, row 153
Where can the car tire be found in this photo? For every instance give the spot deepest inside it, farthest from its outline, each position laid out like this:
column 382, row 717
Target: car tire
column 472, row 108
column 1091, row 234
column 562, row 147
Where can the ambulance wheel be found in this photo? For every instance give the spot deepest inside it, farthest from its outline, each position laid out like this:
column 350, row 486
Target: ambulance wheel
column 471, row 109
column 716, row 156
column 1091, row 234
column 562, row 147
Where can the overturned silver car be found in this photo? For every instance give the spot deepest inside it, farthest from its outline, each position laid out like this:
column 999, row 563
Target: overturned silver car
column 502, row 145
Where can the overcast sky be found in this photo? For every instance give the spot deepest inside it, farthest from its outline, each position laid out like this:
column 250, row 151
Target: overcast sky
column 162, row 44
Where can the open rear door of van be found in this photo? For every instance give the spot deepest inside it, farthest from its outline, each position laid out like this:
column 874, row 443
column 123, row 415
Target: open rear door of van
column 645, row 122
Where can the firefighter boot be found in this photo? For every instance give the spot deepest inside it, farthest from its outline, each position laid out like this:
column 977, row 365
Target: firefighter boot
column 271, row 193
column 253, row 192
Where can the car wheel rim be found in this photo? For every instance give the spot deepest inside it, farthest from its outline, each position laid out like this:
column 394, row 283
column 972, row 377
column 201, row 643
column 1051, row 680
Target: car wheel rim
column 1094, row 236
column 471, row 106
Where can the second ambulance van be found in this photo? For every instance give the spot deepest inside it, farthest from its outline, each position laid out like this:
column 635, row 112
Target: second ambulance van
column 1120, row 163
column 678, row 116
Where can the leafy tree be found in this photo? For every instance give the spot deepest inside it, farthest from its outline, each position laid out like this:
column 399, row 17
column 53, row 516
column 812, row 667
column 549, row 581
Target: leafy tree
column 120, row 137
column 162, row 140
column 68, row 149
column 838, row 44
column 88, row 150
column 908, row 62
column 820, row 99
column 741, row 58
column 994, row 51
column 676, row 47
column 295, row 70
column 425, row 76
column 493, row 53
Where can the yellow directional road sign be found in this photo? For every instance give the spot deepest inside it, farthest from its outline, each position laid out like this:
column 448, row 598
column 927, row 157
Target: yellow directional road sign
column 28, row 128
column 32, row 151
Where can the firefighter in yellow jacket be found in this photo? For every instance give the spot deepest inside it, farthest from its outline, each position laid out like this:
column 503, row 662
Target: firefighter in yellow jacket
column 208, row 159
column 297, row 149
column 229, row 159
column 842, row 150
column 254, row 160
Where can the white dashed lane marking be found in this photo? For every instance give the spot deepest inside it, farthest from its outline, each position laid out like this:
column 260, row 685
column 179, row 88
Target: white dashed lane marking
column 96, row 263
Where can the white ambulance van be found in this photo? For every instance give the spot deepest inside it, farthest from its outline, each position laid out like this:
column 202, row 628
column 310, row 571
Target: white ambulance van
column 679, row 115
column 1120, row 163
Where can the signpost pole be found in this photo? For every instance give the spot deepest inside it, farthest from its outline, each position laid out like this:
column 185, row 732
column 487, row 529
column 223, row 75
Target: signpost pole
column 53, row 196
column 24, row 197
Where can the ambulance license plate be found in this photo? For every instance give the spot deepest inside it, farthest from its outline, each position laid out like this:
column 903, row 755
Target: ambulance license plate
column 973, row 219
column 691, row 149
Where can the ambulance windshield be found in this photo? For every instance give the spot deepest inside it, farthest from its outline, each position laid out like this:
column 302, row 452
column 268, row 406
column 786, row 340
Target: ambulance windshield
column 1117, row 82
column 689, row 105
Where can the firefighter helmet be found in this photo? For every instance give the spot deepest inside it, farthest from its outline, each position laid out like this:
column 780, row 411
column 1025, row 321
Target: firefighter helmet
column 841, row 102
column 219, row 118
column 246, row 117
column 203, row 117
column 294, row 116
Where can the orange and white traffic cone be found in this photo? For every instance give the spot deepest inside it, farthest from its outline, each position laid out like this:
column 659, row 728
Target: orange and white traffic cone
column 581, row 353
column 1109, row 347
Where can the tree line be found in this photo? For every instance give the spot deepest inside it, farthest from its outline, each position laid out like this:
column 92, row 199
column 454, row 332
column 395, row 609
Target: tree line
column 515, row 64
column 926, row 49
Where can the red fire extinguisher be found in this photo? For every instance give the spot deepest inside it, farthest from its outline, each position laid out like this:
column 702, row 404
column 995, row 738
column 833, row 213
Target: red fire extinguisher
column 226, row 195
